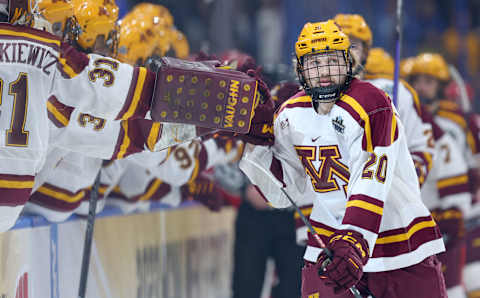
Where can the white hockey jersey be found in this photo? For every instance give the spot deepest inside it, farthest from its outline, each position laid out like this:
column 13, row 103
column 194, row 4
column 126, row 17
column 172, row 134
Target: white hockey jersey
column 151, row 176
column 418, row 132
column 447, row 185
column 65, row 185
column 354, row 161
column 35, row 65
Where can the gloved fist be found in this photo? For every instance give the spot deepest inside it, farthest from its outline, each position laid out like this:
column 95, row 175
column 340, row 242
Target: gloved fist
column 261, row 128
column 205, row 191
column 451, row 224
column 350, row 253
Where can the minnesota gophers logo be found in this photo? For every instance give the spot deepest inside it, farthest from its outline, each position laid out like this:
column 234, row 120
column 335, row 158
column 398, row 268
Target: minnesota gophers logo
column 338, row 124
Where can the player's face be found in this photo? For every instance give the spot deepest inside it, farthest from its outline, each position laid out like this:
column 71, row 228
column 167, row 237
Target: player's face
column 426, row 86
column 359, row 53
column 325, row 69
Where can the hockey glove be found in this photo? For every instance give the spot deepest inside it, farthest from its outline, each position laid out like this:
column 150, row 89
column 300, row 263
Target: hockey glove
column 205, row 191
column 261, row 129
column 350, row 254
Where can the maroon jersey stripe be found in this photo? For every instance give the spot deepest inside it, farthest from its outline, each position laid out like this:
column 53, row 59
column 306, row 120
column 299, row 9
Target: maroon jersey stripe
column 130, row 93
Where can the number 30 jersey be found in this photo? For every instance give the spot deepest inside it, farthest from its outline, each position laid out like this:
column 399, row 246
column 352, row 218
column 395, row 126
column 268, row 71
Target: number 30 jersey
column 355, row 165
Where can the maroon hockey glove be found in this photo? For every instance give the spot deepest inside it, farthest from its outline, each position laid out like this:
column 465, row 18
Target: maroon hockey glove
column 202, row 94
column 261, row 129
column 205, row 191
column 451, row 224
column 350, row 254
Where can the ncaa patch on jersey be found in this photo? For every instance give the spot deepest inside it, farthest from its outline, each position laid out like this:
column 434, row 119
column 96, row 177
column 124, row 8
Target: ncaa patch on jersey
column 338, row 124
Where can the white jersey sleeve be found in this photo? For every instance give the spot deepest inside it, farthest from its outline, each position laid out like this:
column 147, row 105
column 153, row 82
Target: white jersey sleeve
column 103, row 86
column 98, row 137
column 272, row 169
column 184, row 162
column 448, row 185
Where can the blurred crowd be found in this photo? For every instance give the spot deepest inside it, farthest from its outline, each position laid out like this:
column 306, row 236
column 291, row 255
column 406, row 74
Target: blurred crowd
column 260, row 27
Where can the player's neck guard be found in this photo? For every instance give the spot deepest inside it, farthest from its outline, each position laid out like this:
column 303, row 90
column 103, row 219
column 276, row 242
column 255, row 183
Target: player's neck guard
column 329, row 93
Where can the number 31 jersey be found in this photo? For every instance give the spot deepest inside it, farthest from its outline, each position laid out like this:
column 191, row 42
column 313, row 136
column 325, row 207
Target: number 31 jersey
column 355, row 165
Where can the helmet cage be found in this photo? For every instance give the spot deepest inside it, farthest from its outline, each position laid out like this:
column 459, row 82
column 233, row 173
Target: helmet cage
column 325, row 94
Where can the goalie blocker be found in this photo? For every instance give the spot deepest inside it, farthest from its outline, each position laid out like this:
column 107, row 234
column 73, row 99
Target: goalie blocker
column 202, row 94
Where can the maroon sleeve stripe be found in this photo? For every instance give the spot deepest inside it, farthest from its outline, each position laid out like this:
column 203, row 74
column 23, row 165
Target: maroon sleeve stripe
column 416, row 239
column 15, row 189
column 146, row 97
column 131, row 92
column 322, row 230
column 161, row 191
column 401, row 240
column 367, row 199
column 43, row 198
column 58, row 113
column 75, row 59
column 132, row 137
column 454, row 190
column 139, row 96
column 277, row 170
column 364, row 212
column 403, row 230
column 362, row 218
column 120, row 141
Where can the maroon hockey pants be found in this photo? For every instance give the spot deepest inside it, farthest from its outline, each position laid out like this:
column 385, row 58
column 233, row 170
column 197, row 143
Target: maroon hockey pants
column 423, row 280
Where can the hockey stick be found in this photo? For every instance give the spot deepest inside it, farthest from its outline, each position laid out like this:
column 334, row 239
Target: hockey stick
column 353, row 289
column 466, row 107
column 87, row 246
column 398, row 37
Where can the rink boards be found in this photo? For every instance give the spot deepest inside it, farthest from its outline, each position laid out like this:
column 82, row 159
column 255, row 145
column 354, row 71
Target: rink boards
column 168, row 253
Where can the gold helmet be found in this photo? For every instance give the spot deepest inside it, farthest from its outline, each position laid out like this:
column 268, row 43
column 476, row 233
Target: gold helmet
column 431, row 64
column 96, row 20
column 158, row 19
column 180, row 44
column 354, row 25
column 164, row 41
column 406, row 67
column 161, row 14
column 323, row 38
column 379, row 64
column 112, row 8
column 137, row 41
column 56, row 12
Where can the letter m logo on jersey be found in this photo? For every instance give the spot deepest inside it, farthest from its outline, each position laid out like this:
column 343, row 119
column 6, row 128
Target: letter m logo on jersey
column 331, row 168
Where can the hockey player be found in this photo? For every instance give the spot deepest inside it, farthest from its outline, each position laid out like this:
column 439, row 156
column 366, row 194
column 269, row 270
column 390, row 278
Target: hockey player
column 184, row 169
column 429, row 76
column 64, row 182
column 341, row 143
column 60, row 194
column 377, row 67
column 446, row 199
column 419, row 134
column 37, row 64
column 449, row 199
